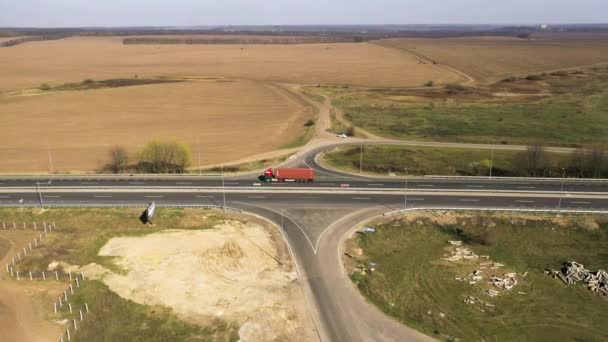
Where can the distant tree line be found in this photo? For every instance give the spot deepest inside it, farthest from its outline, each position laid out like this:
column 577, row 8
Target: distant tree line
column 155, row 157
column 241, row 40
column 22, row 40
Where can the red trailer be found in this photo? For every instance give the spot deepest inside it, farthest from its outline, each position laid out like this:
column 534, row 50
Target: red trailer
column 289, row 175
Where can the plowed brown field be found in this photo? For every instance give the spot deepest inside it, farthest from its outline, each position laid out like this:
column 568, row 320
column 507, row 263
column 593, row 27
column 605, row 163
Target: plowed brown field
column 74, row 59
column 228, row 120
column 489, row 59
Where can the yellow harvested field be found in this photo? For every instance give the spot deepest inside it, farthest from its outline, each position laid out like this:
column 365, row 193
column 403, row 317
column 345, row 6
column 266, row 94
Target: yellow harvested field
column 230, row 120
column 489, row 59
column 77, row 58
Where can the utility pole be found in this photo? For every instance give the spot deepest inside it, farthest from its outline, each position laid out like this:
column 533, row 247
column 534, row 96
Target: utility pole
column 223, row 188
column 39, row 192
column 405, row 194
column 492, row 161
column 561, row 192
column 361, row 159
column 50, row 159
column 198, row 150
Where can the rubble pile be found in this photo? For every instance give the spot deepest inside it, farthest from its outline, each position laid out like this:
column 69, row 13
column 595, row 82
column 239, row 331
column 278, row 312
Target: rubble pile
column 507, row 281
column 460, row 253
column 573, row 273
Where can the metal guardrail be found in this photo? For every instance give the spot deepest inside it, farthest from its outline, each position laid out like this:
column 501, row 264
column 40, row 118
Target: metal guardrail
column 544, row 210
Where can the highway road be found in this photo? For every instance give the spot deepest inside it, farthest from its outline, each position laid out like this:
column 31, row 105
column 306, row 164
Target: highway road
column 315, row 218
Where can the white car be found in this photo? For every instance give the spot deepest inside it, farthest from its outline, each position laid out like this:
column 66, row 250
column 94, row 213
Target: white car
column 342, row 135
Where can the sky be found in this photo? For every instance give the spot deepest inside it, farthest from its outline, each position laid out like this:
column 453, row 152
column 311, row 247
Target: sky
column 82, row 13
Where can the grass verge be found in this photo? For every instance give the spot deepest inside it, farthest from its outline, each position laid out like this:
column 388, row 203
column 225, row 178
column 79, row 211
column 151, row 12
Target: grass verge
column 392, row 159
column 413, row 284
column 564, row 109
column 113, row 318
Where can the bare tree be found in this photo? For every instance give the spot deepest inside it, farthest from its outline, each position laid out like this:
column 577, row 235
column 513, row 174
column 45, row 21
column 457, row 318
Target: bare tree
column 119, row 159
column 578, row 161
column 596, row 158
column 535, row 157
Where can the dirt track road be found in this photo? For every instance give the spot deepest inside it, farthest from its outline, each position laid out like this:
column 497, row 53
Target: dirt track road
column 21, row 317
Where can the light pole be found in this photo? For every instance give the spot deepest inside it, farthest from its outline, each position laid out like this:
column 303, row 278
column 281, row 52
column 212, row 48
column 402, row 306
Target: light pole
column 361, row 159
column 198, row 150
column 561, row 191
column 39, row 192
column 492, row 161
column 405, row 193
column 223, row 188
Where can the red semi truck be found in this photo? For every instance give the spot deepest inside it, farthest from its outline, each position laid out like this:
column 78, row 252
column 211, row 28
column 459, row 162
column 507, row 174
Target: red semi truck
column 288, row 175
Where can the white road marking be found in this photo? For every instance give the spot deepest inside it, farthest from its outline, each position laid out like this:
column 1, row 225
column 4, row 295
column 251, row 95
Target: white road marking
column 425, row 185
column 468, row 200
column 205, row 196
column 475, row 186
column 102, row 196
column 49, row 196
column 524, row 201
column 256, row 197
column 361, row 198
column 526, row 187
column 573, row 202
column 153, row 196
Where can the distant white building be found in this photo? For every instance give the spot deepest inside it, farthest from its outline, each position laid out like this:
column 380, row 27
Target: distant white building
column 544, row 27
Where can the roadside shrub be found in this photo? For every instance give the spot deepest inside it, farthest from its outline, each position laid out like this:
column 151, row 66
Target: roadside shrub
column 119, row 160
column 44, row 86
column 429, row 84
column 164, row 157
column 510, row 79
column 350, row 131
column 559, row 73
column 309, row 123
column 87, row 81
column 534, row 78
column 489, row 237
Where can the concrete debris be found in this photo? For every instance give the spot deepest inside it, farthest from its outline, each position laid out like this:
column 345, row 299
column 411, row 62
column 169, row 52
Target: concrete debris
column 521, row 293
column 507, row 282
column 492, row 293
column 442, row 315
column 455, row 243
column 460, row 253
column 573, row 273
